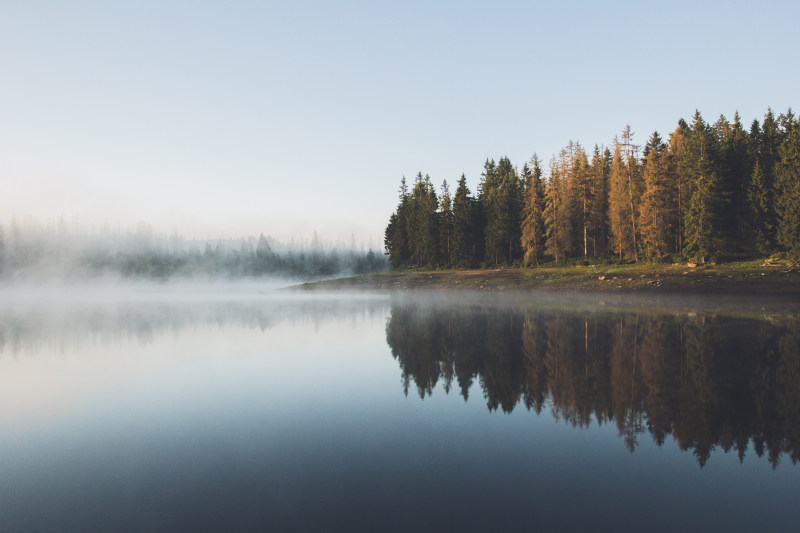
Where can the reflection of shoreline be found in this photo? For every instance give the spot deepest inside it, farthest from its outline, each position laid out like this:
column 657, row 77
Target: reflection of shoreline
column 706, row 379
column 59, row 324
column 68, row 355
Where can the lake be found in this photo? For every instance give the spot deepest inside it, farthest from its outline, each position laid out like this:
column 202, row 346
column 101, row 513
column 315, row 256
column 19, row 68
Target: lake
column 246, row 409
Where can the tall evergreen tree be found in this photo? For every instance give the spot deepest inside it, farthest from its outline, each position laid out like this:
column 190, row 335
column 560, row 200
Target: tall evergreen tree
column 558, row 230
column 396, row 238
column 633, row 186
column 680, row 188
column 700, row 166
column 581, row 199
column 736, row 154
column 532, row 238
column 445, row 225
column 463, row 253
column 758, row 228
column 599, row 171
column 619, row 213
column 787, row 197
column 769, row 139
column 655, row 213
column 423, row 231
column 501, row 198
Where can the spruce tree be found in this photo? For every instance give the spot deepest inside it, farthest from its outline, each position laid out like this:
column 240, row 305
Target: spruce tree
column 655, row 213
column 598, row 178
column 532, row 238
column 736, row 154
column 501, row 198
column 680, row 188
column 582, row 200
column 463, row 247
column 558, row 230
column 700, row 168
column 396, row 239
column 445, row 226
column 423, row 223
column 769, row 140
column 758, row 228
column 787, row 190
column 619, row 213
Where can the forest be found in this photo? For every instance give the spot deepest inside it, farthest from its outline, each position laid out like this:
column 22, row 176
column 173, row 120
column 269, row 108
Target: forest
column 31, row 250
column 709, row 192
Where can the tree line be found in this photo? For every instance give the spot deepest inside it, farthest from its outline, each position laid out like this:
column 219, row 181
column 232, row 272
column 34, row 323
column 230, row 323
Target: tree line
column 706, row 380
column 32, row 252
column 709, row 192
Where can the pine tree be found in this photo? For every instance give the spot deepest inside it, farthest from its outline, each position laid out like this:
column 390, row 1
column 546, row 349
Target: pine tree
column 396, row 239
column 680, row 188
column 445, row 225
column 463, row 246
column 633, row 186
column 700, row 168
column 423, row 228
column 619, row 214
column 787, row 190
column 769, row 139
column 558, row 230
column 598, row 179
column 532, row 238
column 581, row 198
column 501, row 198
column 655, row 213
column 736, row 154
column 758, row 216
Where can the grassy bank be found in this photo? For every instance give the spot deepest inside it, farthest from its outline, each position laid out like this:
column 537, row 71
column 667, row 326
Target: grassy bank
column 749, row 277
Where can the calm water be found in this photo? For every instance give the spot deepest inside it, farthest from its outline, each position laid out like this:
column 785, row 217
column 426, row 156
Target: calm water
column 154, row 411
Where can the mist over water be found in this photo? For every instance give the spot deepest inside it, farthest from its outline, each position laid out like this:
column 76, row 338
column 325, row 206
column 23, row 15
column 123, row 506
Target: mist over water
column 31, row 252
column 162, row 406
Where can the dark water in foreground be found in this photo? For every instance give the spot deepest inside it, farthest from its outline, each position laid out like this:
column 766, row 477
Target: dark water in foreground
column 255, row 413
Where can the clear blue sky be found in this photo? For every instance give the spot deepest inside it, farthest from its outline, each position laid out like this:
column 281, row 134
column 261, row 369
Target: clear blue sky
column 235, row 118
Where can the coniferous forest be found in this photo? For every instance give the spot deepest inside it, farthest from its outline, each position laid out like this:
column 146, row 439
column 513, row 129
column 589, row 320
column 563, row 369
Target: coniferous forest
column 707, row 192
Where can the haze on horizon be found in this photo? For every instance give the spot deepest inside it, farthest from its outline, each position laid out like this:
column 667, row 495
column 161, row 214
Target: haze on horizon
column 233, row 119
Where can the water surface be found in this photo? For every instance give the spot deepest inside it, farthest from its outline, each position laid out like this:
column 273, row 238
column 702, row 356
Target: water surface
column 266, row 410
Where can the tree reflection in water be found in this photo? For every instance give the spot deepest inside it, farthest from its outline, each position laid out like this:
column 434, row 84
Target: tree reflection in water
column 706, row 379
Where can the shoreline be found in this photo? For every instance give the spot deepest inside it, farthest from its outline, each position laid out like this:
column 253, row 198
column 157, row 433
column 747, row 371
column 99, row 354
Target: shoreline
column 751, row 278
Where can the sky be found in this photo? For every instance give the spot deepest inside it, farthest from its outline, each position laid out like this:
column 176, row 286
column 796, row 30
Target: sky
column 230, row 119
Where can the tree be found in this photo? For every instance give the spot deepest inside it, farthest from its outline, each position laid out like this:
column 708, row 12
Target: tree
column 758, row 227
column 598, row 179
column 557, row 222
column 423, row 230
column 769, row 139
column 445, row 224
column 620, row 221
column 680, row 188
column 736, row 155
column 396, row 238
column 700, row 166
column 655, row 209
column 501, row 198
column 633, row 184
column 463, row 233
column 532, row 238
column 787, row 191
column 581, row 198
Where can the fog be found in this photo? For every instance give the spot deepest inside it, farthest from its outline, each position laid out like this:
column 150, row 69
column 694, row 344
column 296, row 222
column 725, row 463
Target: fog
column 32, row 251
column 65, row 316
